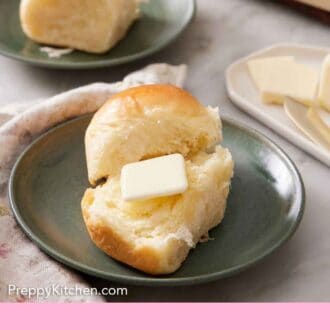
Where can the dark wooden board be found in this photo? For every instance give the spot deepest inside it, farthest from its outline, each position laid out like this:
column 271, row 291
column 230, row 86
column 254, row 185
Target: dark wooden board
column 321, row 15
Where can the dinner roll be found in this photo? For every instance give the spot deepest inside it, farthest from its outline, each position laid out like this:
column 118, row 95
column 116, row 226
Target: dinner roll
column 156, row 234
column 145, row 122
column 92, row 26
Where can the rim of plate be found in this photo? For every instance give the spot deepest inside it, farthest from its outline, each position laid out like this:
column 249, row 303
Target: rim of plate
column 48, row 63
column 164, row 281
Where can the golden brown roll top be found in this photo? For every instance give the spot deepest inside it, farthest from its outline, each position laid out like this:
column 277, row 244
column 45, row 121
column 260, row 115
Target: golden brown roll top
column 145, row 122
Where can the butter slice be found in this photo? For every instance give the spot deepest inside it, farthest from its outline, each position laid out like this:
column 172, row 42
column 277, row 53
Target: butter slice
column 308, row 120
column 260, row 67
column 280, row 76
column 156, row 177
column 324, row 91
column 320, row 121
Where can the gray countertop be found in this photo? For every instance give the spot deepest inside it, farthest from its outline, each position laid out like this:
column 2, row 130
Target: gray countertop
column 222, row 32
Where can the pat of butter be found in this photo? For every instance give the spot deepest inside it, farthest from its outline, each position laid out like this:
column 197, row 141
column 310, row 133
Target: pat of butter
column 324, row 91
column 277, row 77
column 156, row 177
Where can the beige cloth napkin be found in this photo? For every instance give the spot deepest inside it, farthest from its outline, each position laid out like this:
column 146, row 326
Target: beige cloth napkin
column 22, row 264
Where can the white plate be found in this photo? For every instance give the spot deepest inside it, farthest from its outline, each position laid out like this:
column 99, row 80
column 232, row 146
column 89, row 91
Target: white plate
column 242, row 91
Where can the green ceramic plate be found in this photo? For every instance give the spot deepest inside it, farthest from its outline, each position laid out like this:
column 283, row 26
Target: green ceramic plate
column 160, row 23
column 264, row 209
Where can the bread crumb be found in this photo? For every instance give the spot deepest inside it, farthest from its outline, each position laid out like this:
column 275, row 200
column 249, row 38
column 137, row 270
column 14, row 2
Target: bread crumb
column 56, row 52
column 3, row 211
column 205, row 238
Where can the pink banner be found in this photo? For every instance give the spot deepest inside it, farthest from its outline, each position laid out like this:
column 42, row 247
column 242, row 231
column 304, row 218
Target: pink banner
column 165, row 316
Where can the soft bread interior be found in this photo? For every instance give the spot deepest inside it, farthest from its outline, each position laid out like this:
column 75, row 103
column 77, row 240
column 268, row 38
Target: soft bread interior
column 92, row 26
column 166, row 227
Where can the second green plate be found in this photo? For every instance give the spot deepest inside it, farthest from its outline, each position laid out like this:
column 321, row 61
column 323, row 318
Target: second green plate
column 160, row 23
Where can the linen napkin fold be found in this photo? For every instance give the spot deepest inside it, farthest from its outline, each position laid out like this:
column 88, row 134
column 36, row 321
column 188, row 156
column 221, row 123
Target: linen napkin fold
column 22, row 264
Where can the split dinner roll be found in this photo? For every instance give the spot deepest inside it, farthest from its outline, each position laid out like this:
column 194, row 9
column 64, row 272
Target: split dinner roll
column 92, row 26
column 154, row 235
